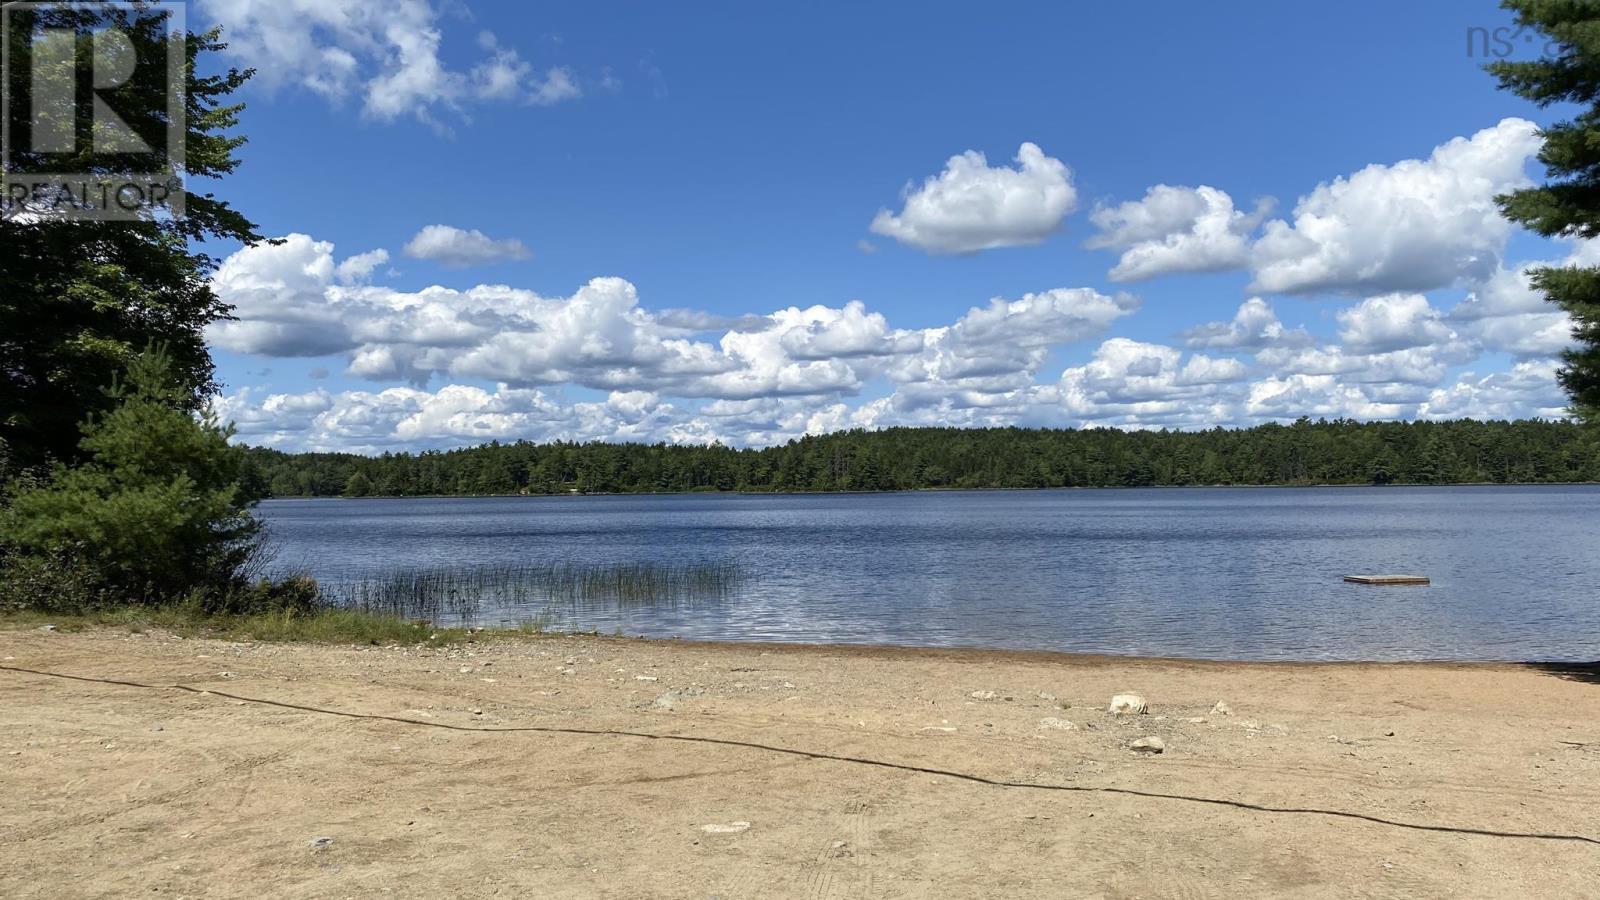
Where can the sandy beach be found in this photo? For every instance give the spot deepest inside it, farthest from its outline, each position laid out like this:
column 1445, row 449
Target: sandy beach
column 147, row 764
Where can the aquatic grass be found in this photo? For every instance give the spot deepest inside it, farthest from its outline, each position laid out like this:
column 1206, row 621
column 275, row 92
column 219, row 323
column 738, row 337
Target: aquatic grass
column 461, row 593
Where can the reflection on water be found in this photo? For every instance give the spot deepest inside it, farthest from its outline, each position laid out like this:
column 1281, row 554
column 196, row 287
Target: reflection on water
column 1221, row 573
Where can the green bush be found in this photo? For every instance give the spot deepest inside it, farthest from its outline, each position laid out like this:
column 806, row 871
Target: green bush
column 50, row 584
column 297, row 595
column 156, row 514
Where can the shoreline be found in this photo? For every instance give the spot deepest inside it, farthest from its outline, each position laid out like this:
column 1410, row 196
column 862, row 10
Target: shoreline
column 941, row 490
column 486, row 635
column 978, row 653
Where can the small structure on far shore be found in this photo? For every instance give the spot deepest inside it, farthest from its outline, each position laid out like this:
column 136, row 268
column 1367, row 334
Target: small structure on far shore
column 1387, row 579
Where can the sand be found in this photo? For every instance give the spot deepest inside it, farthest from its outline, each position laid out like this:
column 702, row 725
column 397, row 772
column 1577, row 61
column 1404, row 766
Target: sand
column 595, row 767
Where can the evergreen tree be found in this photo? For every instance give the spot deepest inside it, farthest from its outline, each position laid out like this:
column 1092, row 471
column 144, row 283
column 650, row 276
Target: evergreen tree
column 157, row 511
column 1569, row 204
column 80, row 299
column 1340, row 452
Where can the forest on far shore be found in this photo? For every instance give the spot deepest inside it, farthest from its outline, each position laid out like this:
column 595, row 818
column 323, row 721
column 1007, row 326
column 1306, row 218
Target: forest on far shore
column 1306, row 452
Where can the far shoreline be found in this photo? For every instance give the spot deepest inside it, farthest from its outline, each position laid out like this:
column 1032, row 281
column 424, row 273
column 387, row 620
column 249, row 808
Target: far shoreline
column 939, row 490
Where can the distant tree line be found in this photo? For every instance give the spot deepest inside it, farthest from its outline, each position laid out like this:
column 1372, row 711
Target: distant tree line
column 1306, row 452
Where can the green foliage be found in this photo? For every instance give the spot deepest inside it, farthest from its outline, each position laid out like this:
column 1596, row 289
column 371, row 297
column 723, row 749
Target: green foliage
column 79, row 300
column 297, row 595
column 1568, row 205
column 155, row 514
column 61, row 582
column 1324, row 452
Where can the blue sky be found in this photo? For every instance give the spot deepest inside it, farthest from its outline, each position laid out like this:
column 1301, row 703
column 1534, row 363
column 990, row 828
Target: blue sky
column 716, row 165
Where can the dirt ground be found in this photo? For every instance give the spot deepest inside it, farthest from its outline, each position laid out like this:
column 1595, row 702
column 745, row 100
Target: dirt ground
column 595, row 767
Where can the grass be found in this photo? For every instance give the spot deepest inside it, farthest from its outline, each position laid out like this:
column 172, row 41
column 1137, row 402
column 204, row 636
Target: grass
column 330, row 626
column 402, row 607
column 461, row 594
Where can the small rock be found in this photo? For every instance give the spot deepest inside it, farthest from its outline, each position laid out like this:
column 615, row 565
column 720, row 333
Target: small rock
column 320, row 844
column 730, row 828
column 1148, row 745
column 1221, row 709
column 475, row 711
column 569, row 671
column 947, row 729
column 1060, row 724
column 982, row 695
column 1127, row 705
column 667, row 700
column 158, row 728
column 1194, row 720
column 1045, row 695
column 464, row 669
column 646, row 678
column 47, row 628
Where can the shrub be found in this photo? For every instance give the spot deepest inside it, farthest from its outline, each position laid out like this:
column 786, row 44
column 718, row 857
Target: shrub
column 297, row 595
column 50, row 584
column 157, row 513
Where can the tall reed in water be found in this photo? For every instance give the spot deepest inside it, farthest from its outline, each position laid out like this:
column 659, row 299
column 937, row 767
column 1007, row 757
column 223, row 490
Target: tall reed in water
column 459, row 593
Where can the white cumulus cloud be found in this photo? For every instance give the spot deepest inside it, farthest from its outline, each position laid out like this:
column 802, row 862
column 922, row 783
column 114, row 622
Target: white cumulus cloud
column 971, row 206
column 1253, row 327
column 1176, row 229
column 388, row 53
column 1415, row 225
column 459, row 247
column 1393, row 322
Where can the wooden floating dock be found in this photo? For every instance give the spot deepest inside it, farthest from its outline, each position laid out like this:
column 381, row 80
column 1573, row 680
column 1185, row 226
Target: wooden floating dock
column 1387, row 579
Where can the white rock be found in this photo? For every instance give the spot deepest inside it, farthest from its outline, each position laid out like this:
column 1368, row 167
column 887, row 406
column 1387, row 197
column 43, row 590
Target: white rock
column 1221, row 709
column 1128, row 705
column 1195, row 720
column 1053, row 722
column 645, row 678
column 729, row 828
column 982, row 695
column 1148, row 745
column 1046, row 695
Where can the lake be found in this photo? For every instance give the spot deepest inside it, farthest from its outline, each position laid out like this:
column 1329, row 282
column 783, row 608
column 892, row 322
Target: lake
column 1225, row 573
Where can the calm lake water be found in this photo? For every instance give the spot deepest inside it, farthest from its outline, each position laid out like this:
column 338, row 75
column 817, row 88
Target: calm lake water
column 1206, row 572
